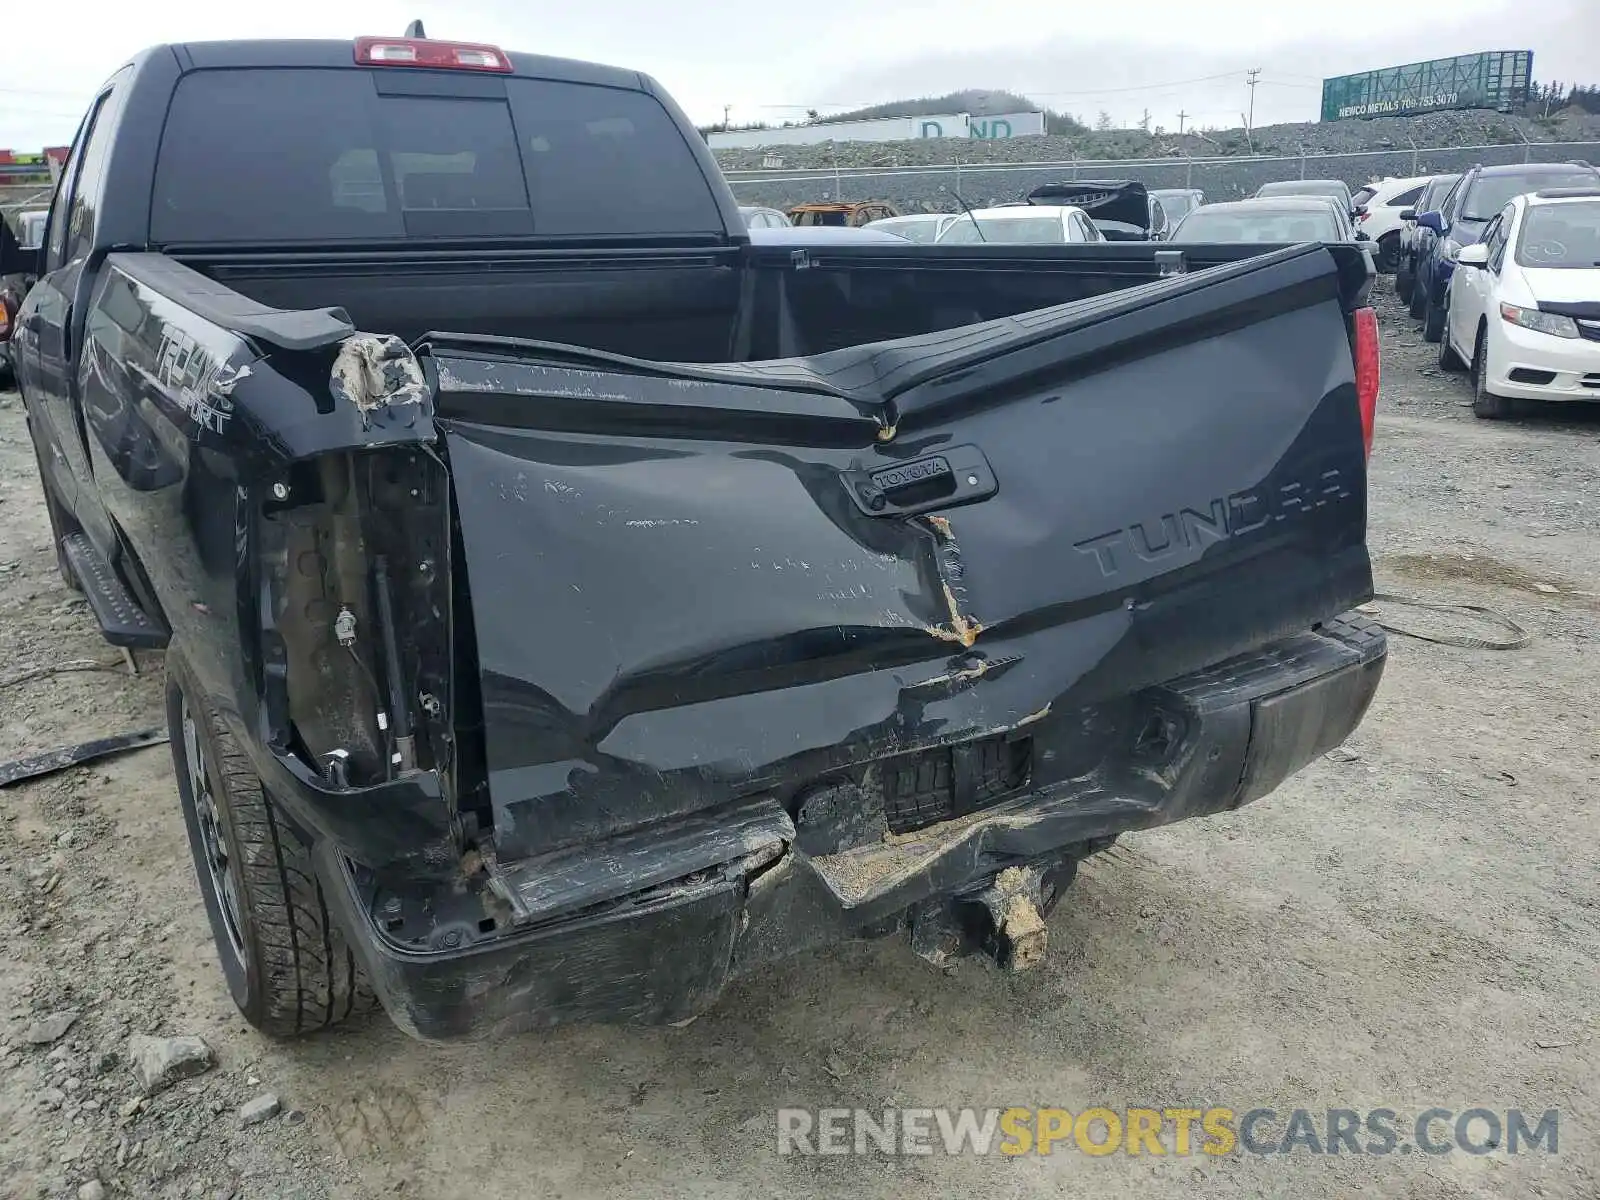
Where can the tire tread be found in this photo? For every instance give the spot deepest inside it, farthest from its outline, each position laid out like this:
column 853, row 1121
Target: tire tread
column 309, row 978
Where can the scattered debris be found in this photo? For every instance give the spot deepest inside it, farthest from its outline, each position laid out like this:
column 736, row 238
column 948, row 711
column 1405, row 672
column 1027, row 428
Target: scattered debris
column 1340, row 755
column 50, row 1028
column 1519, row 637
column 92, row 1190
column 51, row 761
column 262, row 1108
column 77, row 664
column 160, row 1062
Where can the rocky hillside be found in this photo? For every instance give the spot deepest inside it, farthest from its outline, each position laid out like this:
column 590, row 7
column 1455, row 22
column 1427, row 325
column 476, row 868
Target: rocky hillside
column 926, row 176
column 1335, row 137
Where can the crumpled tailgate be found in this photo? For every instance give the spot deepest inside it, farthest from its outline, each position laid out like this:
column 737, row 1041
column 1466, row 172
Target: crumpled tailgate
column 683, row 594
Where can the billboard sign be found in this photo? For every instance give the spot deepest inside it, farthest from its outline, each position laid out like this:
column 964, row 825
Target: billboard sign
column 1497, row 79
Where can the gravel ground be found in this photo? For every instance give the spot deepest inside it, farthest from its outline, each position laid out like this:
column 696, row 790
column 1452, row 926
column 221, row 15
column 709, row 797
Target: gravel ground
column 1410, row 922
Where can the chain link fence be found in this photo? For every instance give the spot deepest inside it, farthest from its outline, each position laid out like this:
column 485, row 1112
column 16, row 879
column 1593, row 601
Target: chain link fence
column 19, row 198
column 933, row 188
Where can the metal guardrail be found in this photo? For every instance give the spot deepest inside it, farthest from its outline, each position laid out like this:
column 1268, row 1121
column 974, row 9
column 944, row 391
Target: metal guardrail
column 1218, row 175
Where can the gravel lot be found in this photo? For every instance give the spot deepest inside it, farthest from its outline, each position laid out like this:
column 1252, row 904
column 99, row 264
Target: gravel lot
column 1412, row 924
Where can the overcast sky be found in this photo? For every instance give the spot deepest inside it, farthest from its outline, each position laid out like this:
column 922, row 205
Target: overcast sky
column 774, row 61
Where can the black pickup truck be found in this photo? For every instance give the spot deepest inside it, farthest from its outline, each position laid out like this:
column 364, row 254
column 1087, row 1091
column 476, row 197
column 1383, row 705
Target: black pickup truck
column 570, row 605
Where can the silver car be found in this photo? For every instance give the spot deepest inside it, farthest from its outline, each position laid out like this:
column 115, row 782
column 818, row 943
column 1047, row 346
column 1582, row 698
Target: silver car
column 924, row 228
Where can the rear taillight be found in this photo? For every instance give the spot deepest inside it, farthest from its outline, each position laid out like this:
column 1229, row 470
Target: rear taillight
column 5, row 321
column 423, row 52
column 1367, row 373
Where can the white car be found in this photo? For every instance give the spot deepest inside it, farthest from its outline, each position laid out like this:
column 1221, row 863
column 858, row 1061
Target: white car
column 1384, row 201
column 756, row 217
column 915, row 227
column 1523, row 309
column 1021, row 225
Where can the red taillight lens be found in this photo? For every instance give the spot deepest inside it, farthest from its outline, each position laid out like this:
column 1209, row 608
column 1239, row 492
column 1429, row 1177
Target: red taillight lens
column 421, row 52
column 1368, row 372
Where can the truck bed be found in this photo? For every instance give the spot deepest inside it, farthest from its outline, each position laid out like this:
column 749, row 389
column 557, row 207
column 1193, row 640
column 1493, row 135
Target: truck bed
column 707, row 305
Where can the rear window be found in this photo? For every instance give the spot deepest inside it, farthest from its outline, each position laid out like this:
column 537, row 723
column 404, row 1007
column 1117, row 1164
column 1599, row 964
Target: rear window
column 289, row 155
column 1008, row 231
column 1490, row 193
column 1273, row 227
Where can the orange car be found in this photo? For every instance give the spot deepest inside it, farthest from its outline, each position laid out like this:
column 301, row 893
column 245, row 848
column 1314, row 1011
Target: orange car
column 853, row 214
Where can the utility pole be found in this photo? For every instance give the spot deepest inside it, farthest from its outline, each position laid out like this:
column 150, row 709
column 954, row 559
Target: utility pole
column 1182, row 117
column 1255, row 77
column 727, row 116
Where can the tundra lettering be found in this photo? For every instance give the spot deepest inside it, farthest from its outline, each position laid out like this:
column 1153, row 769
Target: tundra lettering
column 1192, row 528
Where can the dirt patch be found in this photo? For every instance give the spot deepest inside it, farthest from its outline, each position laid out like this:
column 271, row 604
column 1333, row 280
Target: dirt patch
column 1483, row 570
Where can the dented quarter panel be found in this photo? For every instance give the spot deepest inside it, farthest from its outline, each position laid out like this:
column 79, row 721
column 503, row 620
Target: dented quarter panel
column 186, row 427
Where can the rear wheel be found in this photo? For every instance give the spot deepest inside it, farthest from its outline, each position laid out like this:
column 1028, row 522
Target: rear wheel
column 1432, row 320
column 288, row 966
column 1419, row 298
column 1389, row 253
column 1449, row 360
column 1485, row 403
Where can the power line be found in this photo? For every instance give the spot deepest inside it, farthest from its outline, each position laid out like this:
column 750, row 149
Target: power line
column 39, row 112
column 84, row 96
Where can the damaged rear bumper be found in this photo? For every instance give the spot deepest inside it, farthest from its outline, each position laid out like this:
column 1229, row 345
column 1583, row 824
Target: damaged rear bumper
column 650, row 926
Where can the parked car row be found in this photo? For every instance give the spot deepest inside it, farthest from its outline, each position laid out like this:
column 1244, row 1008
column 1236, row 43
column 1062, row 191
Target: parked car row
column 30, row 237
column 1461, row 220
column 1502, row 266
column 1522, row 309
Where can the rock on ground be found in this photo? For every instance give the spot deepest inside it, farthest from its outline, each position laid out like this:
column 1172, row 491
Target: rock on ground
column 160, row 1062
column 50, row 1028
column 262, row 1108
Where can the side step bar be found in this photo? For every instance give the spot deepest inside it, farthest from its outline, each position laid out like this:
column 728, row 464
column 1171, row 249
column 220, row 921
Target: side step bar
column 122, row 621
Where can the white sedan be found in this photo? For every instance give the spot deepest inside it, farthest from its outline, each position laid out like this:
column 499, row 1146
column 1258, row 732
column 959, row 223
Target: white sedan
column 1021, row 225
column 1524, row 313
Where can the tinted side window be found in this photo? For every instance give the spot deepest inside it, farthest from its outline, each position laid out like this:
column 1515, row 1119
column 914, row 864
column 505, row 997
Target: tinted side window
column 1405, row 199
column 1452, row 202
column 56, row 253
column 86, row 188
column 1502, row 234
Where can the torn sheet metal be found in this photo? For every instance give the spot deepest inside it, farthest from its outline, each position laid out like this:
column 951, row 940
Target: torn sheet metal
column 51, row 761
column 377, row 371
